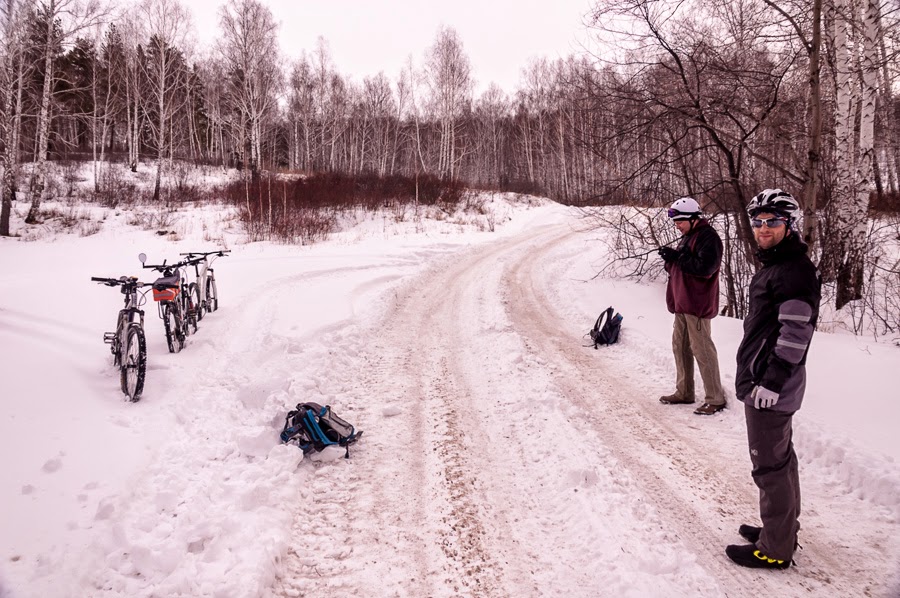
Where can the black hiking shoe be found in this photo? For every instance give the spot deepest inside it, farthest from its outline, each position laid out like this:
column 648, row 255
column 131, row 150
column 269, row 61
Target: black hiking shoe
column 750, row 532
column 748, row 555
column 674, row 399
column 708, row 409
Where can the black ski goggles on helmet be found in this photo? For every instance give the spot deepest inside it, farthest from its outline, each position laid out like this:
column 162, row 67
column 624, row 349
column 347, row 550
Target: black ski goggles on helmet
column 673, row 213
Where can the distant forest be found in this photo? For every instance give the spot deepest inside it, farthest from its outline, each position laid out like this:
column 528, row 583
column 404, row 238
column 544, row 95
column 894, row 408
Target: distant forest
column 713, row 99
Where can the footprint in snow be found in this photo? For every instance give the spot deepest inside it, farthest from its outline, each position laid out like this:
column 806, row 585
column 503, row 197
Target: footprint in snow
column 52, row 465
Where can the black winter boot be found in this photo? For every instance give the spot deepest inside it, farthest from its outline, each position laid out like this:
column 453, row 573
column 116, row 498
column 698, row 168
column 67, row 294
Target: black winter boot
column 750, row 533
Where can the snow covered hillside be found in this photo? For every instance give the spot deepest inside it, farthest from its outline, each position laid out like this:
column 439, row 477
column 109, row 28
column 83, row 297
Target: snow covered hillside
column 501, row 456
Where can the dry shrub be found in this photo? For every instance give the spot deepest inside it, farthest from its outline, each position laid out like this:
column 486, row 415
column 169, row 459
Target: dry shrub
column 306, row 209
column 89, row 227
column 159, row 218
column 69, row 171
column 115, row 188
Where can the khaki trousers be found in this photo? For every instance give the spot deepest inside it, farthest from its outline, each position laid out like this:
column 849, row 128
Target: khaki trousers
column 692, row 339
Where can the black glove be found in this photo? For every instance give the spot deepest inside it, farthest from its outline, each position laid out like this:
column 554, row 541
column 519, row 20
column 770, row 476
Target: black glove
column 668, row 254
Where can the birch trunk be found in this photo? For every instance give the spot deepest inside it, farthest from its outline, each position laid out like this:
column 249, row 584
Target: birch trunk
column 8, row 156
column 39, row 188
column 850, row 275
column 838, row 220
column 891, row 139
column 814, row 116
column 161, row 131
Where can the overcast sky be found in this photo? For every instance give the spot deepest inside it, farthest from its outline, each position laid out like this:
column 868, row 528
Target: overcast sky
column 368, row 36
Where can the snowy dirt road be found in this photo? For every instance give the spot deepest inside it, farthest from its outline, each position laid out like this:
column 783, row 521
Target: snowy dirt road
column 501, row 457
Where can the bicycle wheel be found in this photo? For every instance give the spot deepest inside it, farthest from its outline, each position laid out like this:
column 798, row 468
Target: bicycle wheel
column 212, row 294
column 194, row 292
column 187, row 311
column 134, row 367
column 181, row 326
column 172, row 324
column 191, row 307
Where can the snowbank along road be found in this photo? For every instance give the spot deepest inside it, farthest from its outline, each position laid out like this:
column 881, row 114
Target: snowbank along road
column 502, row 457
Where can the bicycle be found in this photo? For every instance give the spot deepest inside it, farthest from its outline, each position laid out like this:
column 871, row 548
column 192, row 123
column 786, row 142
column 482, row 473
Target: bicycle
column 176, row 308
column 207, row 295
column 128, row 344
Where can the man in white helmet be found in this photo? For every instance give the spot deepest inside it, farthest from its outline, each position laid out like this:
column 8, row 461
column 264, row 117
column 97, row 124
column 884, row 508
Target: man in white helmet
column 692, row 294
column 771, row 376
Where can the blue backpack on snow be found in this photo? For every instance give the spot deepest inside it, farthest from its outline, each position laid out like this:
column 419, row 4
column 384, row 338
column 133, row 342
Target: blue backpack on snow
column 313, row 427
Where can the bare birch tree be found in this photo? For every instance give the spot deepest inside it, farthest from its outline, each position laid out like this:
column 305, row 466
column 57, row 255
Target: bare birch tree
column 250, row 51
column 378, row 105
column 449, row 78
column 852, row 36
column 810, row 36
column 109, row 95
column 11, row 81
column 165, row 25
column 63, row 21
column 492, row 108
column 301, row 117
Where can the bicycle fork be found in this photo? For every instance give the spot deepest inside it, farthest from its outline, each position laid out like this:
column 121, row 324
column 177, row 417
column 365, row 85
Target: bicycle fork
column 115, row 339
column 118, row 339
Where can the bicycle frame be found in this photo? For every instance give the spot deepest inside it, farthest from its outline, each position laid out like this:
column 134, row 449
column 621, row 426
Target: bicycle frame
column 203, row 270
column 130, row 315
column 131, row 311
column 179, row 306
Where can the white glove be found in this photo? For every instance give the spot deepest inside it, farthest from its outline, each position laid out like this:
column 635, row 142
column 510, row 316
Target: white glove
column 763, row 398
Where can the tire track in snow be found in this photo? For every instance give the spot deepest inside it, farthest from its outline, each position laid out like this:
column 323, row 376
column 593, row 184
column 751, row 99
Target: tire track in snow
column 423, row 491
column 466, row 520
column 472, row 509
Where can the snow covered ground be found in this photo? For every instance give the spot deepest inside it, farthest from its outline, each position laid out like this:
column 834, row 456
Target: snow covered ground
column 501, row 457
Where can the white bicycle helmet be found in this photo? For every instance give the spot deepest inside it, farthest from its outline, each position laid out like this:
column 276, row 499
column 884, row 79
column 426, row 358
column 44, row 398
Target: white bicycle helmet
column 775, row 201
column 684, row 208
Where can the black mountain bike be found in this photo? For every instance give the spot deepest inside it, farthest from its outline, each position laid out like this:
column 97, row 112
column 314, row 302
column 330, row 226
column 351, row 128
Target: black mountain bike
column 176, row 307
column 127, row 343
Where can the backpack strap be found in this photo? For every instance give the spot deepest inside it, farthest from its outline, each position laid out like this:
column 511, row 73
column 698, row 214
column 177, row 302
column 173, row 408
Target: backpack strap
column 295, row 431
column 289, row 430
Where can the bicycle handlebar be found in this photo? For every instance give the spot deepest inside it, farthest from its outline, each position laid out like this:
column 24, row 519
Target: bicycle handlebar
column 112, row 282
column 163, row 267
column 218, row 252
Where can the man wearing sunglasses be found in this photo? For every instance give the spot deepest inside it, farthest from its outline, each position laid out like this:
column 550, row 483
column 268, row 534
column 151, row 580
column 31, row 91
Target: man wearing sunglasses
column 771, row 376
column 692, row 294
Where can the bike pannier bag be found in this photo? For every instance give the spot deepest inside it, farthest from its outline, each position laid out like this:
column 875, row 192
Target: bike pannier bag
column 166, row 288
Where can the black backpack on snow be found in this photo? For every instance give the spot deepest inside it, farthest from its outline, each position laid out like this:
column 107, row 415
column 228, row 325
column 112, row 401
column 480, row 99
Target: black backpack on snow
column 313, row 427
column 606, row 333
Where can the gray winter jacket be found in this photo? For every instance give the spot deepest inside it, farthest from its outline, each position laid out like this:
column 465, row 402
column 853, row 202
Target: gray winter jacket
column 784, row 307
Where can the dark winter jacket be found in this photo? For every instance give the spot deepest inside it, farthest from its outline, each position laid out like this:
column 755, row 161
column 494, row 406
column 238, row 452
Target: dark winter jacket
column 694, row 277
column 784, row 307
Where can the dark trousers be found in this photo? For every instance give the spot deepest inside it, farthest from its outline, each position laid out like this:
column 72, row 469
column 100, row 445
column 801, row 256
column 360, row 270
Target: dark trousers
column 775, row 473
